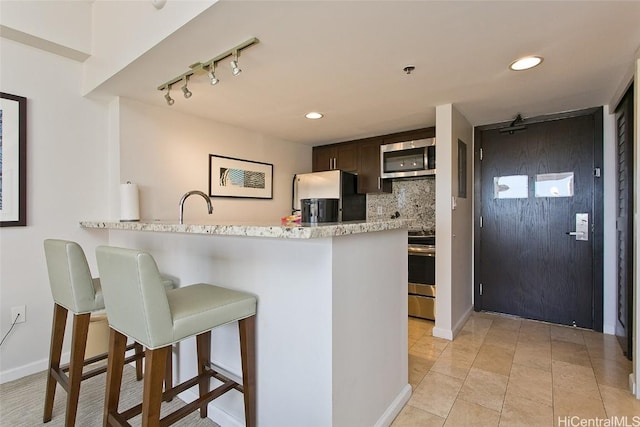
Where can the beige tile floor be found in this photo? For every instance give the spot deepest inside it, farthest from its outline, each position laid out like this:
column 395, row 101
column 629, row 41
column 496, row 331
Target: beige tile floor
column 503, row 371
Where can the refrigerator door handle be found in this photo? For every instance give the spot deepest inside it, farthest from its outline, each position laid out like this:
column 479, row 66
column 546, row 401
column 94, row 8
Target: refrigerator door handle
column 293, row 195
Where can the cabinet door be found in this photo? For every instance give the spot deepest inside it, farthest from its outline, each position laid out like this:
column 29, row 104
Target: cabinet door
column 410, row 135
column 347, row 157
column 369, row 168
column 323, row 158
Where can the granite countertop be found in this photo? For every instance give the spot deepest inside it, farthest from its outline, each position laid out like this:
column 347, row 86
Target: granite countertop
column 252, row 229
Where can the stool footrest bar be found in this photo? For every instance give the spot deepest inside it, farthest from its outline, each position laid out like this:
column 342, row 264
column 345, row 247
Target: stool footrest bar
column 183, row 411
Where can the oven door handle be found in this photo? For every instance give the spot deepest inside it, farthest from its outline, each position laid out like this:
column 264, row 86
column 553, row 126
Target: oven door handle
column 422, row 251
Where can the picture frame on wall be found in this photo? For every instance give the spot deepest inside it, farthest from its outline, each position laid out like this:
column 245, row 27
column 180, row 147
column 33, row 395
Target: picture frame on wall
column 13, row 160
column 231, row 177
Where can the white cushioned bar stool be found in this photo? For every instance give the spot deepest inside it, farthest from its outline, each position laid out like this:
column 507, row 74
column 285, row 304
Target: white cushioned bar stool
column 73, row 290
column 138, row 307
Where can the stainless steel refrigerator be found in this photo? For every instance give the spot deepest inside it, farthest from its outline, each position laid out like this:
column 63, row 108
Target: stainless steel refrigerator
column 335, row 184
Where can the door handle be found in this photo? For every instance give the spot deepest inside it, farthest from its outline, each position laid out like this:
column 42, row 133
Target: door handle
column 582, row 227
column 575, row 233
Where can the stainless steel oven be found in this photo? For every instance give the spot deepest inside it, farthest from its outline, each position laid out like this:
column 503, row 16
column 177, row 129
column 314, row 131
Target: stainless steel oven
column 422, row 276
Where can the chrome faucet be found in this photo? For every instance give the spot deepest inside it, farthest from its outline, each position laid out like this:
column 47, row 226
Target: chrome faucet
column 189, row 193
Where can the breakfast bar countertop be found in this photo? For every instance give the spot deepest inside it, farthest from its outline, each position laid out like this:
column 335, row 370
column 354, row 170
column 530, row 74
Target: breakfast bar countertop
column 294, row 231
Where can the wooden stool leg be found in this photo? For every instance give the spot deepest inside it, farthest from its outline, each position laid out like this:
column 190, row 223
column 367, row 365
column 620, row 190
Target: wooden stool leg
column 137, row 348
column 203, row 344
column 247, row 329
column 57, row 337
column 78, row 346
column 154, row 366
column 115, row 365
column 168, row 375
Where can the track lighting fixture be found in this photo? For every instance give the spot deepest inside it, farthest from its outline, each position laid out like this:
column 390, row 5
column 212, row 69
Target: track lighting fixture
column 208, row 67
column 234, row 64
column 168, row 97
column 185, row 90
column 212, row 74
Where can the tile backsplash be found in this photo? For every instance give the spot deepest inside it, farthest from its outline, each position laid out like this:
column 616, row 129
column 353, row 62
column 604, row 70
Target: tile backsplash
column 413, row 199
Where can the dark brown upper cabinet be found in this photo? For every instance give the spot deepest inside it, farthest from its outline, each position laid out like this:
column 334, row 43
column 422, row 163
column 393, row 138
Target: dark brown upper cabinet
column 342, row 156
column 369, row 180
column 362, row 157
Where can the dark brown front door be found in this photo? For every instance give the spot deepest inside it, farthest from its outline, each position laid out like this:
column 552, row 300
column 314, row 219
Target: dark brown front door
column 538, row 247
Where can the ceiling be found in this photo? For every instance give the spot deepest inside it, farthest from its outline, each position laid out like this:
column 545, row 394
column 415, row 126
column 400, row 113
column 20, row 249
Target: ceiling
column 346, row 59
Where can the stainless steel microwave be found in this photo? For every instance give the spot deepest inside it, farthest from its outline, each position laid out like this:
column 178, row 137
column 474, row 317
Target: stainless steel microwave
column 408, row 159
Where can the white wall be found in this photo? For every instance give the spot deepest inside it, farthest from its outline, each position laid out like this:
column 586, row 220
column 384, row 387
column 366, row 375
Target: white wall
column 453, row 226
column 34, row 23
column 66, row 164
column 462, row 227
column 610, row 272
column 145, row 27
column 167, row 154
column 84, row 30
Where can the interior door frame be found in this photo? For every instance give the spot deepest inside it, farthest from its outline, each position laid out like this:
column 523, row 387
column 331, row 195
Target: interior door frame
column 598, row 206
column 627, row 231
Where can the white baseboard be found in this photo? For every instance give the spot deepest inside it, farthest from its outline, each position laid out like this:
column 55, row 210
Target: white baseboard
column 458, row 327
column 396, row 406
column 226, row 420
column 34, row 368
column 450, row 334
column 24, row 371
column 446, row 334
column 215, row 414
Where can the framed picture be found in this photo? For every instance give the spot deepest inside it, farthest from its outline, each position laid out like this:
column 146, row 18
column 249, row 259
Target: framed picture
column 229, row 177
column 13, row 160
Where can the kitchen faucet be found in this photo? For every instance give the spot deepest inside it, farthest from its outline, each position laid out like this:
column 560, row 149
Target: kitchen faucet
column 189, row 193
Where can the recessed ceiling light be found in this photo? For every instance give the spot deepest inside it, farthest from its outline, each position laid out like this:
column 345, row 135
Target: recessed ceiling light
column 313, row 115
column 525, row 63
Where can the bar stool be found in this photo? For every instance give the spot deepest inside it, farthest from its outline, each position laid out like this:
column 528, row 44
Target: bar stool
column 73, row 290
column 137, row 307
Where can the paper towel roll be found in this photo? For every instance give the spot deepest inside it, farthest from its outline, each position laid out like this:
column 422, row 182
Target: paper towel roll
column 129, row 202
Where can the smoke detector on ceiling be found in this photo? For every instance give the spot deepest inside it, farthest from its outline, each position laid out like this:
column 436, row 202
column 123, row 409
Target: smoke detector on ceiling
column 158, row 4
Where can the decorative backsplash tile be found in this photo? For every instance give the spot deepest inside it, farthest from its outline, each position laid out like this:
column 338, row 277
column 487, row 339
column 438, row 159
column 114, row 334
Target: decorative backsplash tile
column 412, row 199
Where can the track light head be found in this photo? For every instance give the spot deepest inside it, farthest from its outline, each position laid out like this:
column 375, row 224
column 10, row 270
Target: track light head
column 234, row 64
column 168, row 97
column 185, row 90
column 234, row 68
column 212, row 75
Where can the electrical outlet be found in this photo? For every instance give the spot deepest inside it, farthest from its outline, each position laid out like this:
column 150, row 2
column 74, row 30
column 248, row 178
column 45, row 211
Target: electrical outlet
column 379, row 210
column 19, row 310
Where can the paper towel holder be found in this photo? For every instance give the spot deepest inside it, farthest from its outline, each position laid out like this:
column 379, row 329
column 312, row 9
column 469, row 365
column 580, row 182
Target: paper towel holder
column 129, row 203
